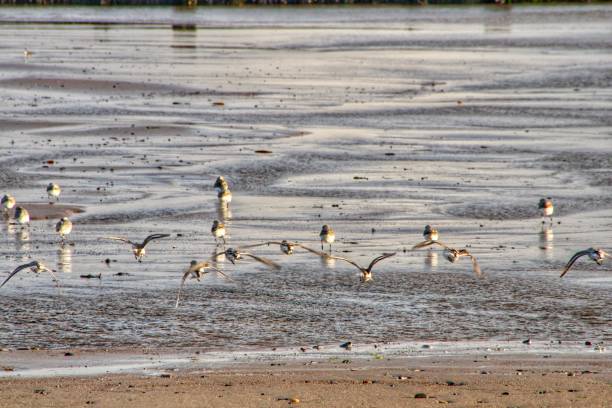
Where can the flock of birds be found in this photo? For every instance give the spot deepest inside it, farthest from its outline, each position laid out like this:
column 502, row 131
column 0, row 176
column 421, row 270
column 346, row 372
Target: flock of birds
column 197, row 269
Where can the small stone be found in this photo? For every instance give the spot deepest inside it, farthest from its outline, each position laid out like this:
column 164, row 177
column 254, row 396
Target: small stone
column 294, row 400
column 505, row 393
column 588, row 343
column 68, row 354
column 420, row 395
column 528, row 341
column 347, row 346
column 166, row 375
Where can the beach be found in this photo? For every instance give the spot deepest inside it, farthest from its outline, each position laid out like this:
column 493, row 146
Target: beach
column 376, row 121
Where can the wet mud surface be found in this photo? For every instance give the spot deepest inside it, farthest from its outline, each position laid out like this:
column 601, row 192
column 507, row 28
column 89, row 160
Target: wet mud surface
column 462, row 118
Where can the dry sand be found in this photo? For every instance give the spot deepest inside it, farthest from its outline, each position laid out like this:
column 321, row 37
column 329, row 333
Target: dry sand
column 492, row 381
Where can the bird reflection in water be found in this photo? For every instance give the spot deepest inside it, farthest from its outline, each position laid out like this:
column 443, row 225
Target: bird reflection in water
column 431, row 260
column 64, row 259
column 547, row 237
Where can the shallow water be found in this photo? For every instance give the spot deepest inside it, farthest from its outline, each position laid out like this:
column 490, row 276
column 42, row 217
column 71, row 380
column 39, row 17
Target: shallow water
column 387, row 118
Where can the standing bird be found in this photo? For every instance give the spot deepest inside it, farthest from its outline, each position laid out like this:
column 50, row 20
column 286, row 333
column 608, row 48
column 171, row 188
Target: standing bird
column 221, row 184
column 366, row 273
column 598, row 255
column 137, row 248
column 547, row 208
column 36, row 267
column 63, row 227
column 218, row 231
column 22, row 216
column 8, row 202
column 225, row 197
column 430, row 234
column 327, row 236
column 53, row 191
column 197, row 270
column 235, row 254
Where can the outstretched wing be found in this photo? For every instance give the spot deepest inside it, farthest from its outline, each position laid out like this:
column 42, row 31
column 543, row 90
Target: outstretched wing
column 44, row 268
column 378, row 259
column 127, row 241
column 356, row 265
column 428, row 243
column 264, row 261
column 572, row 260
column 314, row 251
column 19, row 268
column 152, row 237
column 260, row 244
column 185, row 276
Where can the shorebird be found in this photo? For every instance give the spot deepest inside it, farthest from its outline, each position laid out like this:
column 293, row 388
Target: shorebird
column 327, row 236
column 546, row 205
column 366, row 273
column 8, row 202
column 288, row 247
column 218, row 231
column 36, row 267
column 53, row 191
column 22, row 216
column 63, row 227
column 27, row 53
column 225, row 197
column 235, row 254
column 430, row 234
column 596, row 254
column 453, row 255
column 137, row 248
column 197, row 270
column 221, row 185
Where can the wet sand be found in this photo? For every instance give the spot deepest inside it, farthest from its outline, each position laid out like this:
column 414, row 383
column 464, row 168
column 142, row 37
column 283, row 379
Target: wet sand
column 529, row 380
column 377, row 124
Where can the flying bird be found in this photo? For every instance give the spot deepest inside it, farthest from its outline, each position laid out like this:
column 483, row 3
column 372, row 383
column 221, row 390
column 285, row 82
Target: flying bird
column 453, row 255
column 36, row 267
column 366, row 273
column 235, row 254
column 139, row 248
column 287, row 247
column 598, row 255
column 327, row 236
column 197, row 270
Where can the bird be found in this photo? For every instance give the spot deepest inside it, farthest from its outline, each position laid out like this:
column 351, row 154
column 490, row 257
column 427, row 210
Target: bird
column 139, row 249
column 225, row 197
column 8, row 202
column 596, row 254
column 453, row 255
column 430, row 234
column 197, row 270
column 27, row 53
column 287, row 247
column 63, row 227
column 221, row 184
column 235, row 254
column 36, row 267
column 22, row 216
column 366, row 273
column 327, row 236
column 53, row 191
column 218, row 231
column 546, row 205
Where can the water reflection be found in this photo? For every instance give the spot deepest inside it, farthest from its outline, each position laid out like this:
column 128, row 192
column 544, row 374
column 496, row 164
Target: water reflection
column 224, row 213
column 431, row 260
column 217, row 259
column 328, row 261
column 22, row 243
column 64, row 259
column 546, row 237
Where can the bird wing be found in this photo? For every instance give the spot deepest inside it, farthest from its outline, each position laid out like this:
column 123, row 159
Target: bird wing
column 260, row 244
column 378, row 259
column 314, row 251
column 264, row 261
column 572, row 260
column 428, row 243
column 127, row 241
column 346, row 260
column 185, row 275
column 19, row 268
column 222, row 274
column 44, row 268
column 152, row 237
